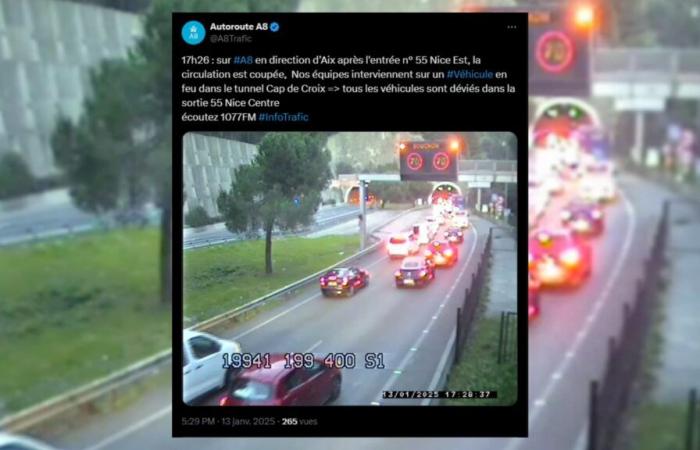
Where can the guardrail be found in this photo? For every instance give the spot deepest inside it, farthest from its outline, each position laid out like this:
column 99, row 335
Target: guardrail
column 609, row 397
column 62, row 406
column 636, row 62
column 464, row 318
column 323, row 223
column 488, row 166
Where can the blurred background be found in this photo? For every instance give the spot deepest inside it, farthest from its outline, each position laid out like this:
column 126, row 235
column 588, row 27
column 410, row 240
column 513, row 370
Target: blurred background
column 85, row 164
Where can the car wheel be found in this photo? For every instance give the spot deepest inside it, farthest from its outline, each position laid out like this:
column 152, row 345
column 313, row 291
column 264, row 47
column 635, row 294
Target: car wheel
column 335, row 389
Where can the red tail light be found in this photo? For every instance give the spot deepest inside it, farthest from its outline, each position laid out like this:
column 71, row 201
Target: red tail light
column 397, row 274
column 223, row 401
column 448, row 252
column 345, row 281
column 428, row 253
column 423, row 273
column 323, row 281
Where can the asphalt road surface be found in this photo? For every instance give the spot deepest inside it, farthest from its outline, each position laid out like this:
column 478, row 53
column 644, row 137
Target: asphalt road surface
column 567, row 345
column 217, row 233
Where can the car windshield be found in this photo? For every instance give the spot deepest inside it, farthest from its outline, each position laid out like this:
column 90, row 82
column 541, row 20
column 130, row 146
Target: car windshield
column 337, row 272
column 397, row 240
column 251, row 390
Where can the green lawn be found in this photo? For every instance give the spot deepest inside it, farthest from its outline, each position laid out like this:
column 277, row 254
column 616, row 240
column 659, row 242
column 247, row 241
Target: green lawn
column 478, row 369
column 661, row 426
column 76, row 309
column 220, row 278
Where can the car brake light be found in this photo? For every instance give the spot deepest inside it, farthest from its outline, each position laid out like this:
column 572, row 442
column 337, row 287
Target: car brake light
column 397, row 274
column 570, row 257
column 530, row 259
column 423, row 273
column 223, row 401
column 323, row 280
column 448, row 252
column 345, row 281
column 459, row 233
column 597, row 214
column 428, row 253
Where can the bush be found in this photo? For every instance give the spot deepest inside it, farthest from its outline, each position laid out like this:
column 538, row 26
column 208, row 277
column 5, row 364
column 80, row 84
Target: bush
column 15, row 177
column 198, row 217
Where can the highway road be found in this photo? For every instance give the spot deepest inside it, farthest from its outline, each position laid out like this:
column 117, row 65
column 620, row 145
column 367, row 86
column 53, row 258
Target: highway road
column 52, row 213
column 421, row 319
column 567, row 345
column 217, row 233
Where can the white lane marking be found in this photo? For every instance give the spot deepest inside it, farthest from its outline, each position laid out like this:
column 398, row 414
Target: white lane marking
column 581, row 335
column 310, row 349
column 287, row 311
column 582, row 439
column 409, row 354
column 440, row 367
column 119, row 435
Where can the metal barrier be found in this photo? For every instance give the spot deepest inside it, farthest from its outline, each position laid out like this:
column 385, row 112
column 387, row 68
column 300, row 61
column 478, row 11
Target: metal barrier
column 507, row 337
column 467, row 312
column 609, row 397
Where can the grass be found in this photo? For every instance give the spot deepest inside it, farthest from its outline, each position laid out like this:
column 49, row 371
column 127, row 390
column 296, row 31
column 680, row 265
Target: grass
column 656, row 424
column 77, row 309
column 661, row 426
column 478, row 369
column 221, row 278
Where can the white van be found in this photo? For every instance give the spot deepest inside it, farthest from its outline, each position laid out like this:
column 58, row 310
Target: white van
column 424, row 232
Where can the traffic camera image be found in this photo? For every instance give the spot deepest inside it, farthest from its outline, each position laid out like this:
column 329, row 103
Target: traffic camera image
column 319, row 238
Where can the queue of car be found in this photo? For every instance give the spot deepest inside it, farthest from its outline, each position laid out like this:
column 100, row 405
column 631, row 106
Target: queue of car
column 212, row 364
column 560, row 254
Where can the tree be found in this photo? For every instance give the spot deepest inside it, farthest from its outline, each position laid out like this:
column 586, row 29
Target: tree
column 280, row 189
column 118, row 153
column 198, row 217
column 344, row 167
column 15, row 177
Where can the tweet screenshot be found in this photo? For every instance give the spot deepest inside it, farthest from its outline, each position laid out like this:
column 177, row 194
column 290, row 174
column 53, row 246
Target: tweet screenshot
column 345, row 179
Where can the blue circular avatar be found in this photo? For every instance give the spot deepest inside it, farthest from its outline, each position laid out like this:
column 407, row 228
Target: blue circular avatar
column 193, row 32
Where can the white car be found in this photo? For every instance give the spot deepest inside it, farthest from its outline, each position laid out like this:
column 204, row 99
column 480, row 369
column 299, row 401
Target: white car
column 460, row 219
column 433, row 223
column 203, row 363
column 402, row 244
column 14, row 442
column 598, row 188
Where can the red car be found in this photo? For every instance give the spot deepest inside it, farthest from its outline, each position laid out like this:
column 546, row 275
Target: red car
column 559, row 258
column 343, row 281
column 583, row 218
column 283, row 385
column 442, row 252
column 533, row 297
